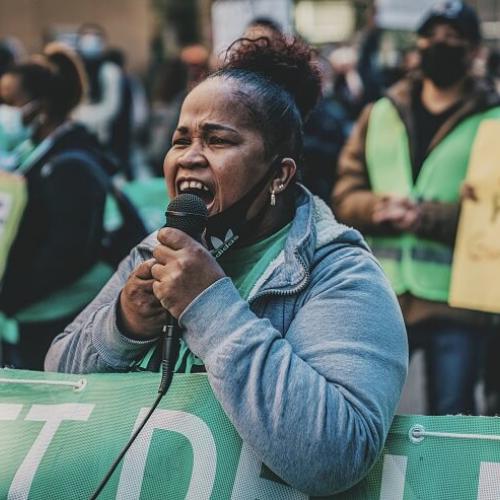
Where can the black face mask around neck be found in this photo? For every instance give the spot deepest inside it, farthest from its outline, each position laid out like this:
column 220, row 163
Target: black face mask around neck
column 227, row 227
column 444, row 64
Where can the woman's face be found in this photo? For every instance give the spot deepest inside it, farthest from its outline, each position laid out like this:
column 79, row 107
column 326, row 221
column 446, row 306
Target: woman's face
column 216, row 153
column 11, row 91
column 13, row 94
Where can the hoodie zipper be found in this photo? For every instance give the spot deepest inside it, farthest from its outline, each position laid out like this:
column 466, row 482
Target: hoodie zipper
column 281, row 293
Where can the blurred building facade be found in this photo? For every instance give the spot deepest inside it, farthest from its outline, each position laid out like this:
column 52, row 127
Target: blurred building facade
column 141, row 27
column 129, row 24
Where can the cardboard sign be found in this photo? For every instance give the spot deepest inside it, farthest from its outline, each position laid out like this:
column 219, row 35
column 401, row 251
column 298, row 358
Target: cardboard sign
column 475, row 281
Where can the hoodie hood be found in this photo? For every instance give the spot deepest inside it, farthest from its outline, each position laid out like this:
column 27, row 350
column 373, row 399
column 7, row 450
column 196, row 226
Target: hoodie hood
column 79, row 138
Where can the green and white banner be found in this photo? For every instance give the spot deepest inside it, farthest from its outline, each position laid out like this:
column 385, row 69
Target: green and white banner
column 60, row 433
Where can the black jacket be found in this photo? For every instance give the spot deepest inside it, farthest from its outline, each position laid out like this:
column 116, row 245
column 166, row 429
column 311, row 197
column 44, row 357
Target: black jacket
column 60, row 234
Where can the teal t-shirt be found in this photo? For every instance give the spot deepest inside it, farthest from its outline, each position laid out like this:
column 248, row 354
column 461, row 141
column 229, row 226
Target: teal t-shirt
column 244, row 266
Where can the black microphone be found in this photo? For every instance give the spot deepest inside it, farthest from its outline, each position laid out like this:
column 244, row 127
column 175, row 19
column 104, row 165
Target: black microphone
column 188, row 213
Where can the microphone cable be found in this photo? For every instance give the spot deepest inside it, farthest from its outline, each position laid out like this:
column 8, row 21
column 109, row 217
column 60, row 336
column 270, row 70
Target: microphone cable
column 170, row 353
column 118, row 459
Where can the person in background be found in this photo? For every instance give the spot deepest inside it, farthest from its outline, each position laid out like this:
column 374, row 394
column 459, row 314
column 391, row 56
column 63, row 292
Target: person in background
column 381, row 58
column 120, row 133
column 411, row 61
column 197, row 61
column 295, row 320
column 10, row 128
column 169, row 90
column 11, row 50
column 105, row 111
column 348, row 88
column 263, row 27
column 7, row 56
column 493, row 68
column 51, row 271
column 179, row 76
column 369, row 68
column 325, row 132
column 400, row 176
column 12, row 132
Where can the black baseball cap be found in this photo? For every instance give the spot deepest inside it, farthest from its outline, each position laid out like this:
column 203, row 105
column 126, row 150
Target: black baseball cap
column 456, row 13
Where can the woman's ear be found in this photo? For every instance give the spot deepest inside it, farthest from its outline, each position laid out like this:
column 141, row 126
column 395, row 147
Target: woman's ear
column 287, row 171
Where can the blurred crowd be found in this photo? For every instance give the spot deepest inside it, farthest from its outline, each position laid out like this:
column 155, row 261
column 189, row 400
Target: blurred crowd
column 82, row 143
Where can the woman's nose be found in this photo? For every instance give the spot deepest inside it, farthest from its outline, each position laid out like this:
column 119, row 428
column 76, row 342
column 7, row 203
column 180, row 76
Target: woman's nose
column 192, row 157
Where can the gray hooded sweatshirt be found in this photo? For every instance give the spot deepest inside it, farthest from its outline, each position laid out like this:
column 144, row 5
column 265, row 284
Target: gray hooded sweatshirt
column 309, row 370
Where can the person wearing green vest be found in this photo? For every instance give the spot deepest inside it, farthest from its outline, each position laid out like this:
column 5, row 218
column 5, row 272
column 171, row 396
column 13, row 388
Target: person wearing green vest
column 50, row 267
column 400, row 178
column 294, row 323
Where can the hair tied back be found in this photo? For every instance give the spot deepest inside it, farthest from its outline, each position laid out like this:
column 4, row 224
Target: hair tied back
column 288, row 62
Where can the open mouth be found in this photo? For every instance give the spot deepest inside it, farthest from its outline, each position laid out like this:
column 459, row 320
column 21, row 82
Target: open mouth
column 197, row 188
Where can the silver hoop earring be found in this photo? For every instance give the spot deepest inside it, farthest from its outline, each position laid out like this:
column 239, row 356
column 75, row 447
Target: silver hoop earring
column 273, row 198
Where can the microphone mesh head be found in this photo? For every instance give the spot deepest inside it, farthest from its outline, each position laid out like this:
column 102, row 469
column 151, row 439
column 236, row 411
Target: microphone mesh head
column 188, row 213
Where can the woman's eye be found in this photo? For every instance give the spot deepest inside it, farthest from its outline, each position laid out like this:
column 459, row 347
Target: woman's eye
column 180, row 142
column 218, row 140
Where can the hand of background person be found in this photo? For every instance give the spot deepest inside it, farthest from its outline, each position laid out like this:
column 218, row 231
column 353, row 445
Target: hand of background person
column 468, row 192
column 141, row 315
column 399, row 212
column 184, row 268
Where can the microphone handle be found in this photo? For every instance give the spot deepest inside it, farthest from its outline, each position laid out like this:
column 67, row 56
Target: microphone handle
column 171, row 342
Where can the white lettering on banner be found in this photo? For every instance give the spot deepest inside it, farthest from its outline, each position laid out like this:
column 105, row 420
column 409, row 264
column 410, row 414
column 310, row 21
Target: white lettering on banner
column 53, row 415
column 249, row 486
column 9, row 411
column 204, row 453
column 393, row 477
column 489, row 481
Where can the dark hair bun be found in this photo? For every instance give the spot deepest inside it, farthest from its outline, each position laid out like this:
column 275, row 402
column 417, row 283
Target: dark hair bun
column 288, row 62
column 70, row 78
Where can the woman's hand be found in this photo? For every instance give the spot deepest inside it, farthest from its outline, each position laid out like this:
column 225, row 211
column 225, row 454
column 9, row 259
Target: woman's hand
column 183, row 269
column 141, row 315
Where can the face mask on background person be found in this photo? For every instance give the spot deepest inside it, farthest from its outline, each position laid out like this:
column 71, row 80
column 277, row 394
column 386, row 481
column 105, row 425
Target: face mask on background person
column 13, row 130
column 444, row 64
column 91, row 46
